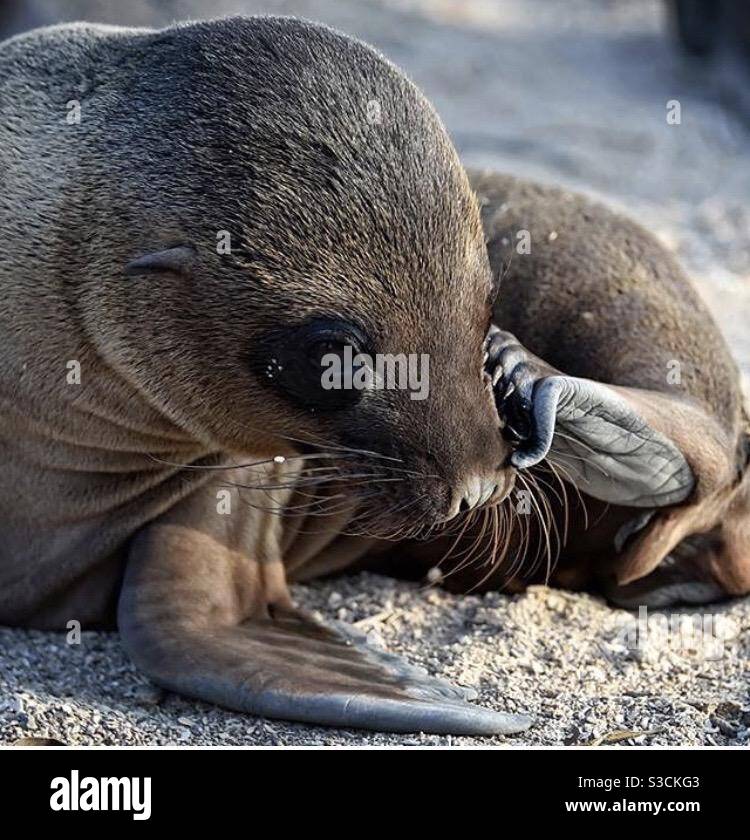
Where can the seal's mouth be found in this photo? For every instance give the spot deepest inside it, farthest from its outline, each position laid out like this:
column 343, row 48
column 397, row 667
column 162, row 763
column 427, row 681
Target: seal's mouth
column 396, row 501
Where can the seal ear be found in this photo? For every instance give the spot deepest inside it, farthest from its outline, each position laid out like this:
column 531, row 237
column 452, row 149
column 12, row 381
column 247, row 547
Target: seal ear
column 178, row 260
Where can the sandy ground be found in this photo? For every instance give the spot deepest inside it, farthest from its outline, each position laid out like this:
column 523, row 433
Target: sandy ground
column 580, row 102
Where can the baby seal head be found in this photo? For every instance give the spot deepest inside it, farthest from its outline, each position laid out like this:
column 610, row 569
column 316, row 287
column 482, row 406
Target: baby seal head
column 405, row 409
column 356, row 246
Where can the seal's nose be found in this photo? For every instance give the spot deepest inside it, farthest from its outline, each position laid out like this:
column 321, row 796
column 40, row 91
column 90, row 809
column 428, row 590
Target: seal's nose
column 474, row 491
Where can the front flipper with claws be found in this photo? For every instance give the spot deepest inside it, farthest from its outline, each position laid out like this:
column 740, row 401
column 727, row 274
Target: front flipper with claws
column 596, row 432
column 201, row 617
column 632, row 448
column 605, row 300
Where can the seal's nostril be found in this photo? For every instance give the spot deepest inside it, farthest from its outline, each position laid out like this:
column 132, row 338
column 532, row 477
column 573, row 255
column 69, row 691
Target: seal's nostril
column 473, row 492
column 490, row 490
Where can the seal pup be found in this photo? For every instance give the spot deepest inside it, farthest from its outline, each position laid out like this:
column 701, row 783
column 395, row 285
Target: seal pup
column 146, row 376
column 148, row 372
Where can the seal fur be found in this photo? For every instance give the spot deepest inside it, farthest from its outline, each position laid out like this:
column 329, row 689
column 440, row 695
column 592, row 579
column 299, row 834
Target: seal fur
column 193, row 360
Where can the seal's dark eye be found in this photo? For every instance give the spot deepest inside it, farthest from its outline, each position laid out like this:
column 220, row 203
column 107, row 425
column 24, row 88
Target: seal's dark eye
column 316, row 364
column 320, row 352
column 335, row 360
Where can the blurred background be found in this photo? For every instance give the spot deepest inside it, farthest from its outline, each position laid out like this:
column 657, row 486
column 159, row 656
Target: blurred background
column 573, row 93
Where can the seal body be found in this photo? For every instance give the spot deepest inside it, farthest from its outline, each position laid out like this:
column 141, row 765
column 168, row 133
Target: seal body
column 193, row 220
column 117, row 148
column 591, row 297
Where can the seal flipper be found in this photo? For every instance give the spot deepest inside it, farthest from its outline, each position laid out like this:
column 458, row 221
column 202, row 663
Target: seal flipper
column 294, row 669
column 613, row 442
column 179, row 622
column 638, row 448
column 605, row 445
